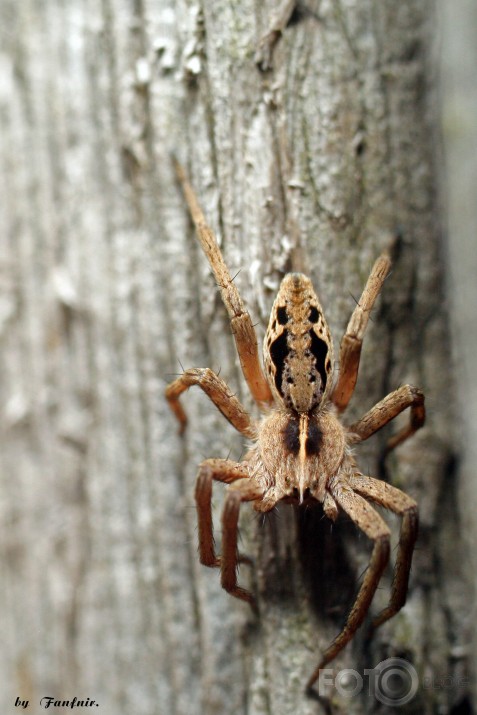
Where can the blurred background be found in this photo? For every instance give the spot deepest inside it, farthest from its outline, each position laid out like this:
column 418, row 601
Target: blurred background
column 457, row 63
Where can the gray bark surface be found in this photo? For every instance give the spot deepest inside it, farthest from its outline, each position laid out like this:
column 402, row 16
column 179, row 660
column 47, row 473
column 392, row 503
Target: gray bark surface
column 459, row 103
column 312, row 165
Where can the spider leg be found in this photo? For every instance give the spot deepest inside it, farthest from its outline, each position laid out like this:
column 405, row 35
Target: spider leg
column 351, row 343
column 396, row 501
column 241, row 322
column 220, row 470
column 230, row 555
column 375, row 528
column 216, row 389
column 386, row 410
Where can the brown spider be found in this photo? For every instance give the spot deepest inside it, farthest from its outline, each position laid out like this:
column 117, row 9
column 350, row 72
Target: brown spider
column 301, row 449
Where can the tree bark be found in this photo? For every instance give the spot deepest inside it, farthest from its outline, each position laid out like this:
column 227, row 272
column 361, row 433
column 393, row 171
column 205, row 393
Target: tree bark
column 313, row 163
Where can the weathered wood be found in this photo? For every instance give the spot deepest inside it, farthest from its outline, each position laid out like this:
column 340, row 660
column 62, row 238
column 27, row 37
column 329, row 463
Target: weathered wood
column 313, row 164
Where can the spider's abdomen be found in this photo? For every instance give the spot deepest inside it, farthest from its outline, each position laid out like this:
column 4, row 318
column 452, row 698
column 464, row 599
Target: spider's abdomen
column 298, row 453
column 298, row 351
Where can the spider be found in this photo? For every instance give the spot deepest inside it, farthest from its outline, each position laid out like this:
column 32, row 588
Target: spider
column 301, row 450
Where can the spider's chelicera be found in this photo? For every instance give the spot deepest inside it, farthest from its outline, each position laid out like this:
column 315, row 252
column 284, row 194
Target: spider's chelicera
column 301, row 450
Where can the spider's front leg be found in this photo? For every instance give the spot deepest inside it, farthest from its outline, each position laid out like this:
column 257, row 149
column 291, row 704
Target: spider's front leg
column 396, row 501
column 386, row 410
column 227, row 471
column 352, row 341
column 216, row 389
column 370, row 522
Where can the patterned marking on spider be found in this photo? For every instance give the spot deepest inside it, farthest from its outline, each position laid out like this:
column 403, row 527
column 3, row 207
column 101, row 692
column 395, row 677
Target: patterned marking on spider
column 301, row 448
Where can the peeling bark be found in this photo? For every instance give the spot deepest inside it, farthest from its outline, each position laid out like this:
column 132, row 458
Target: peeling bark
column 313, row 164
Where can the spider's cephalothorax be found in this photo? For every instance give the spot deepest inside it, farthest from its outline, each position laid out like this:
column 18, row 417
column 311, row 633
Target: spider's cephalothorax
column 301, row 447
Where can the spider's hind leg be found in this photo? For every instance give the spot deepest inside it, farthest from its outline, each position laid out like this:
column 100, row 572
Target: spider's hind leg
column 240, row 320
column 352, row 341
